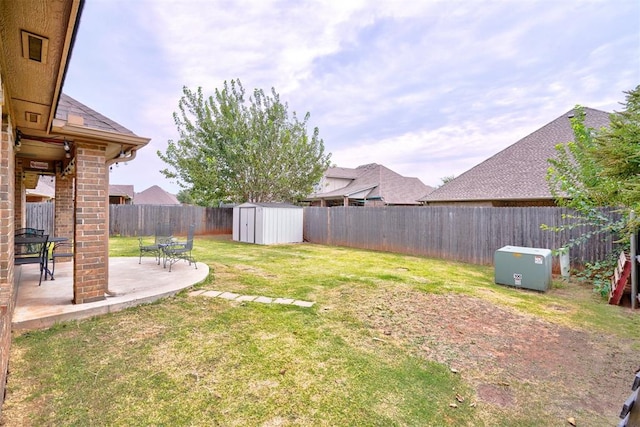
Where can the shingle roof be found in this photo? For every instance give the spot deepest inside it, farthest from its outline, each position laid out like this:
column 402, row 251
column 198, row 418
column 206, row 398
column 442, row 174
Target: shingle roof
column 121, row 190
column 337, row 172
column 155, row 195
column 381, row 183
column 92, row 119
column 45, row 188
column 519, row 171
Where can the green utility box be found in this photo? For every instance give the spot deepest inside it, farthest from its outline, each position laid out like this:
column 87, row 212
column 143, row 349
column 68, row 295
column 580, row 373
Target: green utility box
column 528, row 268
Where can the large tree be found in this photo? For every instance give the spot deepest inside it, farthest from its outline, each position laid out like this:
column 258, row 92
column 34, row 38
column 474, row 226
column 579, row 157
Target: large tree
column 232, row 150
column 601, row 168
column 617, row 152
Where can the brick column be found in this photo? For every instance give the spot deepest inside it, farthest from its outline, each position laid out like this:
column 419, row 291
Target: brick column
column 8, row 289
column 91, row 267
column 20, row 199
column 7, row 224
column 63, row 218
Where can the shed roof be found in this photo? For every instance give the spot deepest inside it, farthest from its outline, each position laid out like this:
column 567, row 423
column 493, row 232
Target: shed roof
column 270, row 205
column 519, row 171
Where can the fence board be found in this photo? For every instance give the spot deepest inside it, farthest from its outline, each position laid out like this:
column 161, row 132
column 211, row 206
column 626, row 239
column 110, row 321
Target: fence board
column 141, row 220
column 467, row 234
column 40, row 216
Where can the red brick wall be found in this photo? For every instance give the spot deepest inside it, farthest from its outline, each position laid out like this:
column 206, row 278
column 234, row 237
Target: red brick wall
column 20, row 207
column 7, row 227
column 63, row 218
column 91, row 266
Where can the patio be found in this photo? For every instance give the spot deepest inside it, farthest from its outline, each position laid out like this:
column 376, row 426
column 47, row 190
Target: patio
column 130, row 283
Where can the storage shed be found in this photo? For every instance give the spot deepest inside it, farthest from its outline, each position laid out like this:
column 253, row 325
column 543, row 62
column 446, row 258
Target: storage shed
column 267, row 223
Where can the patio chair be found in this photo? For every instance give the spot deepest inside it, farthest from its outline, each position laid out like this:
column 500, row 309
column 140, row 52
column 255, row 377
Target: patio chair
column 175, row 251
column 29, row 249
column 163, row 236
column 62, row 249
column 29, row 231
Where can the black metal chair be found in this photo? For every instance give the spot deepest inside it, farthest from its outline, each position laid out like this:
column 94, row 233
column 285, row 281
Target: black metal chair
column 29, row 231
column 30, row 249
column 175, row 251
column 163, row 236
column 60, row 250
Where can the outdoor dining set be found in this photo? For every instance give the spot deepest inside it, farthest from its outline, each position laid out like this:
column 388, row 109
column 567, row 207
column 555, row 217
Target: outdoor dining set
column 32, row 246
column 166, row 248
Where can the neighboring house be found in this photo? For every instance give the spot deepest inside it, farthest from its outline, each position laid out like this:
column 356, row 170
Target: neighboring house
column 155, row 195
column 516, row 176
column 367, row 185
column 121, row 194
column 45, row 190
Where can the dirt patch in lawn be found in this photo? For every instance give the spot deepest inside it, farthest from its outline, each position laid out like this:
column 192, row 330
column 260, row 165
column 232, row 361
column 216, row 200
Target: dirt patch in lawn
column 514, row 361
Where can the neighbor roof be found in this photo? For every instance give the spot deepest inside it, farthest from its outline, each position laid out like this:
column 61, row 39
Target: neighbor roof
column 45, row 188
column 519, row 171
column 380, row 182
column 338, row 172
column 92, row 119
column 155, row 195
column 121, row 190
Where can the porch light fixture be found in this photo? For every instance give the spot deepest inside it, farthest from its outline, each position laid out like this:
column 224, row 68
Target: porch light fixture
column 18, row 139
column 67, row 149
column 122, row 153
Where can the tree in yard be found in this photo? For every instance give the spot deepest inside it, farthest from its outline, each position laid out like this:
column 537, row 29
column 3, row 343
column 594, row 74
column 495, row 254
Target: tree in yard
column 184, row 197
column 617, row 153
column 232, row 150
column 601, row 168
column 446, row 179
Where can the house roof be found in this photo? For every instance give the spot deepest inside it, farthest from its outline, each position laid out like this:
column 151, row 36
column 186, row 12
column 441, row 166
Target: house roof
column 337, row 172
column 519, row 171
column 377, row 182
column 155, row 195
column 121, row 190
column 92, row 119
column 45, row 188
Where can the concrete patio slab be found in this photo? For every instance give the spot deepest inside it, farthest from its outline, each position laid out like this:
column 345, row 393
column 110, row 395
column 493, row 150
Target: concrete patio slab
column 130, row 284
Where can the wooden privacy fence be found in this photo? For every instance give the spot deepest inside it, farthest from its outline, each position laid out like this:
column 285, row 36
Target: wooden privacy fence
column 141, row 220
column 467, row 234
column 457, row 233
column 40, row 216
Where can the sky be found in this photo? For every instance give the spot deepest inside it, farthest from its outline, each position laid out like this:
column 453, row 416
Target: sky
column 426, row 88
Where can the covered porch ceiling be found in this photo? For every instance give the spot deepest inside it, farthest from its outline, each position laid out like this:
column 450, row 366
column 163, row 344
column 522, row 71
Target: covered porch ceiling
column 36, row 38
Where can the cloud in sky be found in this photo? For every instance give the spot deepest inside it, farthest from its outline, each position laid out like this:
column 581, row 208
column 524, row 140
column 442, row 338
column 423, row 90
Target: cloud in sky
column 427, row 88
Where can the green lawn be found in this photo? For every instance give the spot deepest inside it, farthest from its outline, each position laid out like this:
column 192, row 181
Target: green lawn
column 207, row 361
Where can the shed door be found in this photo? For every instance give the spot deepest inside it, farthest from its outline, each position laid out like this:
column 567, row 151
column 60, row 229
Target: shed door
column 248, row 225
